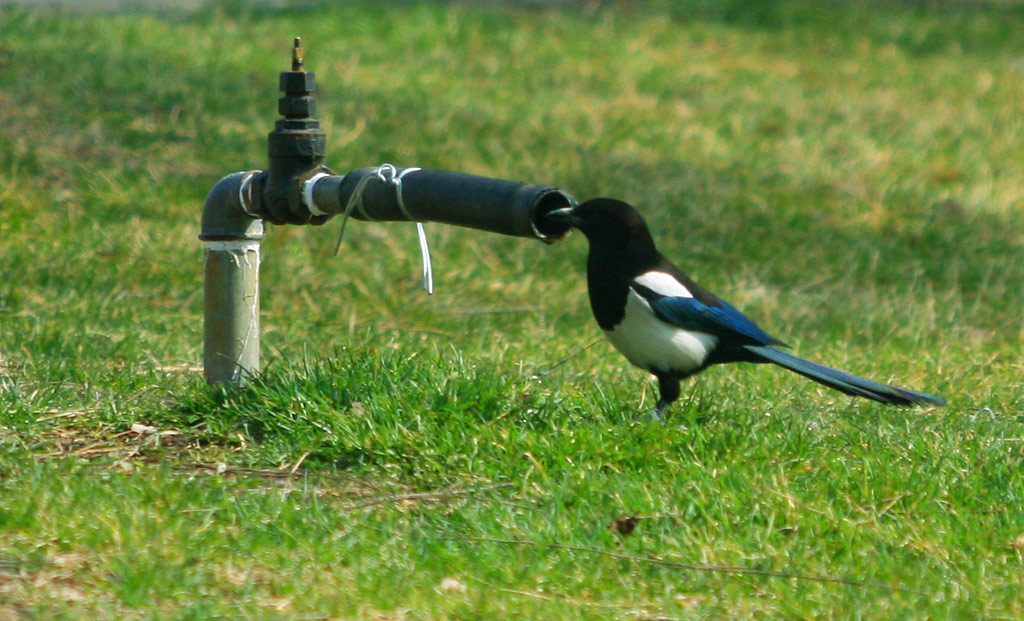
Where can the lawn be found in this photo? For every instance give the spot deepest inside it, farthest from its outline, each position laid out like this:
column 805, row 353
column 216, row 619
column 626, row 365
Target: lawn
column 850, row 175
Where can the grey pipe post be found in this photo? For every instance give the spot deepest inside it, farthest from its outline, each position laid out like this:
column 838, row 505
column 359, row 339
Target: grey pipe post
column 231, row 291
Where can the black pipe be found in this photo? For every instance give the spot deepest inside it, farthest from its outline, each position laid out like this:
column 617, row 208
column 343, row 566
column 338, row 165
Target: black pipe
column 495, row 205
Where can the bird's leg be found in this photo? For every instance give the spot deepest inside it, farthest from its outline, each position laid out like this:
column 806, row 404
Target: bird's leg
column 668, row 391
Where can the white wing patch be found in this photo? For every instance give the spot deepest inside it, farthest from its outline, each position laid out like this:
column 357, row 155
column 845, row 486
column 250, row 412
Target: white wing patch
column 650, row 343
column 664, row 284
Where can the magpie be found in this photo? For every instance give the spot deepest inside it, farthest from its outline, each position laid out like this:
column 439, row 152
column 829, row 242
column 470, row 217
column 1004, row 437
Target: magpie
column 664, row 322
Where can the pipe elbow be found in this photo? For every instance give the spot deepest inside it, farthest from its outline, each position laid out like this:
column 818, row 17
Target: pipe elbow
column 226, row 214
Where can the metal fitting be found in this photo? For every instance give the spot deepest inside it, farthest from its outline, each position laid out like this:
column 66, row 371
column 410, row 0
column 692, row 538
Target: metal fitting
column 296, row 149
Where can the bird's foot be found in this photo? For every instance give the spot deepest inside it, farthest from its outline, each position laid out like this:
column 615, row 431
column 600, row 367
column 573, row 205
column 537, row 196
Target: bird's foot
column 650, row 417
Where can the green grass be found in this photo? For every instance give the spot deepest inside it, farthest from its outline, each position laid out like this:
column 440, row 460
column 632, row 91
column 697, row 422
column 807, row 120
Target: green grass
column 849, row 175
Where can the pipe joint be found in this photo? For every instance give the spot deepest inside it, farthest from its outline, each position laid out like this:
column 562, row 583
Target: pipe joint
column 279, row 199
column 227, row 211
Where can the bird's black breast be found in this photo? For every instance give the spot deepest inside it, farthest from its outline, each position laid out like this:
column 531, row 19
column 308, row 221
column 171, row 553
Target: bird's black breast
column 608, row 281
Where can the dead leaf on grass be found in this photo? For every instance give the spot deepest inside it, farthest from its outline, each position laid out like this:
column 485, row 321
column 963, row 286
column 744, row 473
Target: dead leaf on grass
column 624, row 526
column 451, row 585
column 1017, row 543
column 277, row 603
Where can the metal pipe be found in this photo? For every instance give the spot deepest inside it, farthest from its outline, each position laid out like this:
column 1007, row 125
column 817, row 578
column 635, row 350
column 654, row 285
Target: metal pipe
column 388, row 193
column 231, row 302
column 296, row 188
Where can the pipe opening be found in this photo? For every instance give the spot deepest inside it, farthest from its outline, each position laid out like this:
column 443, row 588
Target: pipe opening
column 545, row 229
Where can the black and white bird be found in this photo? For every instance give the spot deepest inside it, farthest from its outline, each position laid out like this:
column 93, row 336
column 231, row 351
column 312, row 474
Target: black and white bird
column 665, row 323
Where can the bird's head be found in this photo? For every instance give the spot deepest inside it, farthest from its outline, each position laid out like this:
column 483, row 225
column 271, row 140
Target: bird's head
column 605, row 222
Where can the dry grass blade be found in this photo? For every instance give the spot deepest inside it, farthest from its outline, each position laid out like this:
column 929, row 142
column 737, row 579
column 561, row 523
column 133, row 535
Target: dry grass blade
column 632, row 606
column 430, row 496
column 723, row 569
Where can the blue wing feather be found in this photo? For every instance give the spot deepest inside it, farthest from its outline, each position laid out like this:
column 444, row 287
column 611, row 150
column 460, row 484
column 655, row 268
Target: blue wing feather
column 721, row 319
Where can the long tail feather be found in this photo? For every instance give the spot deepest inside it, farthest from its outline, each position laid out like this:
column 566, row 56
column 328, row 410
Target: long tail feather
column 843, row 381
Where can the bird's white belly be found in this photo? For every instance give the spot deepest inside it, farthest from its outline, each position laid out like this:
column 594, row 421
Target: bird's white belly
column 650, row 343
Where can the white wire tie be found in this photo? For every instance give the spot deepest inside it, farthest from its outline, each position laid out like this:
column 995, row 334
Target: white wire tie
column 428, row 272
column 388, row 174
column 355, row 198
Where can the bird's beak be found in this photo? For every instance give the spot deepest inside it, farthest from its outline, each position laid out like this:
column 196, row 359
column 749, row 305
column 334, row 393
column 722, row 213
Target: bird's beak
column 562, row 216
